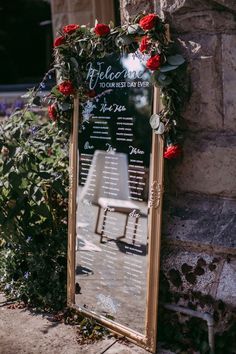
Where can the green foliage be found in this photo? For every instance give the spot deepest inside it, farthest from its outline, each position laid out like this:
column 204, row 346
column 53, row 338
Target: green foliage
column 33, row 210
column 82, row 45
column 88, row 329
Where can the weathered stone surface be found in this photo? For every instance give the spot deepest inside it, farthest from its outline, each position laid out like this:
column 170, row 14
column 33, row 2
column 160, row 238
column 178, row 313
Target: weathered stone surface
column 227, row 283
column 202, row 220
column 210, row 21
column 59, row 20
column 209, row 107
column 205, row 108
column 130, row 8
column 185, row 272
column 226, row 225
column 82, row 18
column 228, row 4
column 229, row 81
column 199, row 16
column 183, row 6
column 125, row 348
column 80, row 5
column 208, row 165
column 128, row 348
column 59, row 6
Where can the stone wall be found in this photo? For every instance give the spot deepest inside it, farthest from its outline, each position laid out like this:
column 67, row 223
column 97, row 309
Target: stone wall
column 206, row 33
column 199, row 222
column 130, row 8
column 200, row 203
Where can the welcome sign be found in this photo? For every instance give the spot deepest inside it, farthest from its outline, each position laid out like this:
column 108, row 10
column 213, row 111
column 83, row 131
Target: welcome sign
column 117, row 224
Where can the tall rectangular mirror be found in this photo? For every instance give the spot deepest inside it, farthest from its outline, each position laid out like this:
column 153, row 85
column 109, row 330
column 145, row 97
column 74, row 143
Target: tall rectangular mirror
column 115, row 199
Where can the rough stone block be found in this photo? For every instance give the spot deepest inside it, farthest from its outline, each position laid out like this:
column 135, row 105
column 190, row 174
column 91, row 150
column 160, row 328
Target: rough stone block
column 194, row 219
column 120, row 348
column 188, row 271
column 227, row 283
column 59, row 6
column 229, row 80
column 82, row 18
column 194, row 15
column 59, row 21
column 228, row 4
column 130, row 8
column 205, row 108
column 208, row 165
column 183, row 6
column 226, row 225
column 80, row 5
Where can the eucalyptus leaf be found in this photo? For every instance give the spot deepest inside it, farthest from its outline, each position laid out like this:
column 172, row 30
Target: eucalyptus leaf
column 154, row 121
column 124, row 40
column 133, row 29
column 166, row 68
column 161, row 129
column 74, row 62
column 162, row 79
column 176, row 59
column 82, row 43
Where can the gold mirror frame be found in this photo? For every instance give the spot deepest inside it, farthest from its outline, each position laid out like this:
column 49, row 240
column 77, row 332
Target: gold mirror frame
column 149, row 339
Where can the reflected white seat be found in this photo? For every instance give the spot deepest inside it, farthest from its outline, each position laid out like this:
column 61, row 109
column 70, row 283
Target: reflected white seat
column 121, row 206
column 107, row 186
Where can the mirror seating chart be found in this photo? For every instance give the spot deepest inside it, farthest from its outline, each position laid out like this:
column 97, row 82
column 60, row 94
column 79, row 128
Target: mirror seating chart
column 114, row 152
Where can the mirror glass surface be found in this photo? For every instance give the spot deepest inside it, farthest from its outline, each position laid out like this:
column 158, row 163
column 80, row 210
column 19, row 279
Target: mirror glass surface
column 113, row 185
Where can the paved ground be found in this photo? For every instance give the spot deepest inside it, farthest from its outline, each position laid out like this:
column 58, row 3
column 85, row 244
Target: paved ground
column 22, row 332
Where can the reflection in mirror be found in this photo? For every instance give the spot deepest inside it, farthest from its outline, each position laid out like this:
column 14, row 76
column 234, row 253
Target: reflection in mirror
column 113, row 186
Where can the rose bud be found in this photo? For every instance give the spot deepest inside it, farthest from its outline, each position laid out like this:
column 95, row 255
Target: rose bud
column 154, row 62
column 69, row 29
column 101, row 29
column 66, row 88
column 59, row 41
column 148, row 22
column 172, row 152
column 52, row 112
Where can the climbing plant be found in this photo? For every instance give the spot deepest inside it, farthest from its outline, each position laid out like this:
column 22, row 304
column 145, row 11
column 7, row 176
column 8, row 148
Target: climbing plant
column 33, row 210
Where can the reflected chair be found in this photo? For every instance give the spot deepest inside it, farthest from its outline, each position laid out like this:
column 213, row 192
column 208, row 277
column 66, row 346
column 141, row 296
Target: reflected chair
column 107, row 186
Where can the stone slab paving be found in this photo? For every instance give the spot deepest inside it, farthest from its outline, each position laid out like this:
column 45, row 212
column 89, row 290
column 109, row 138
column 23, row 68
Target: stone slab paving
column 128, row 348
column 24, row 332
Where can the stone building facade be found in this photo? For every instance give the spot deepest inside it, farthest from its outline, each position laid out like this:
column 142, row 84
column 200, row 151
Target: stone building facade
column 200, row 199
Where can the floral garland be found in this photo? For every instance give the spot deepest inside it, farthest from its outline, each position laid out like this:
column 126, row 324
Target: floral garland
column 146, row 33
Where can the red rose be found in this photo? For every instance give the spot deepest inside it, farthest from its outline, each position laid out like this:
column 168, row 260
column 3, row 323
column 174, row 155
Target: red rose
column 101, row 29
column 148, row 22
column 154, row 62
column 144, row 44
column 66, row 88
column 172, row 152
column 59, row 41
column 70, row 28
column 52, row 112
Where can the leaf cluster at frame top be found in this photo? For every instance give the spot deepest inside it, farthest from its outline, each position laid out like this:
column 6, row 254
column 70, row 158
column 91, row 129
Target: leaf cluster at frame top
column 76, row 45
